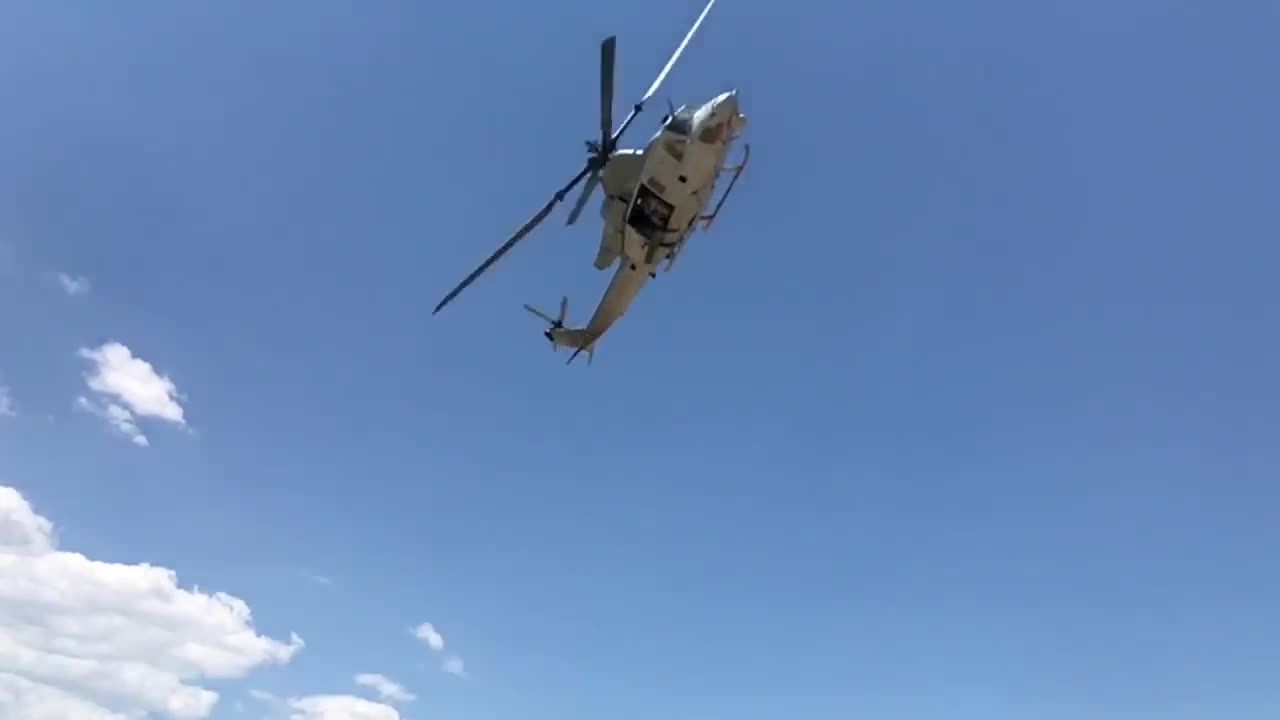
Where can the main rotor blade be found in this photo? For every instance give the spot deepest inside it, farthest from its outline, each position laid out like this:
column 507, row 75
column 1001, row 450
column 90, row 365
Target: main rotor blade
column 675, row 56
column 606, row 88
column 592, row 180
column 635, row 110
column 510, row 243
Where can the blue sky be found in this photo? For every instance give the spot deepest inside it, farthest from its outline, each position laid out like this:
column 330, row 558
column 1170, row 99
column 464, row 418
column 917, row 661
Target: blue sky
column 965, row 406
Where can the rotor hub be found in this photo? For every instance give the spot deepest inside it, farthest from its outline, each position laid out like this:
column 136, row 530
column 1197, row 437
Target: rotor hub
column 598, row 155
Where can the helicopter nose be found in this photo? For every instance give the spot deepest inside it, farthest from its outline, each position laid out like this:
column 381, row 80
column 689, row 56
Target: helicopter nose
column 726, row 103
column 716, row 116
column 726, row 110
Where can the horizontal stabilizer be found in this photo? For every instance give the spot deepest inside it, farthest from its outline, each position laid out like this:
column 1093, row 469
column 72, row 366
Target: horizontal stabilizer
column 570, row 337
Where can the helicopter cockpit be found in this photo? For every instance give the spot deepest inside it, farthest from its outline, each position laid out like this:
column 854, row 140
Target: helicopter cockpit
column 680, row 125
column 679, row 122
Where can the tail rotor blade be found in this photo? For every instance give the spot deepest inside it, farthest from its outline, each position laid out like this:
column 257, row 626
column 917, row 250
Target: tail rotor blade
column 540, row 314
column 592, row 180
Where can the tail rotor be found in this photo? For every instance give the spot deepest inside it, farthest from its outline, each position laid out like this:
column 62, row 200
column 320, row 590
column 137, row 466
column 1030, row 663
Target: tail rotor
column 555, row 323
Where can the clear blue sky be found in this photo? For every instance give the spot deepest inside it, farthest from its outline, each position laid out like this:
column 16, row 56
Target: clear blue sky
column 967, row 406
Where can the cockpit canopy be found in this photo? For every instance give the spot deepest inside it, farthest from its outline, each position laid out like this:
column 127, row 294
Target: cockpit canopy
column 680, row 122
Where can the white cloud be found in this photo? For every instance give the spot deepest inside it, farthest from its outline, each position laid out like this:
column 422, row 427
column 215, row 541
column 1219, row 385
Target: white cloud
column 454, row 666
column 73, row 285
column 340, row 707
column 387, row 689
column 129, row 388
column 427, row 633
column 22, row 698
column 82, row 638
column 7, row 408
column 318, row 579
column 117, row 417
column 263, row 696
column 133, row 381
column 326, row 707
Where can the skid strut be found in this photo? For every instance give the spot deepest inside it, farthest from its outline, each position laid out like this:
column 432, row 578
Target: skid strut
column 710, row 217
column 736, row 170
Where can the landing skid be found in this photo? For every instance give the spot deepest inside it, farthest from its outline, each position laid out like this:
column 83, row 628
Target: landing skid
column 710, row 218
column 736, row 170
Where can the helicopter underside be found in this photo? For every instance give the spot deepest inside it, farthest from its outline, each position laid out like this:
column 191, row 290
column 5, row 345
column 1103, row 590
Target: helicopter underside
column 678, row 175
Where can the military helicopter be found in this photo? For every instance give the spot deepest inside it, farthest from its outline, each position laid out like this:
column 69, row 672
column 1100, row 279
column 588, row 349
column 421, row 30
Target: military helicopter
column 653, row 197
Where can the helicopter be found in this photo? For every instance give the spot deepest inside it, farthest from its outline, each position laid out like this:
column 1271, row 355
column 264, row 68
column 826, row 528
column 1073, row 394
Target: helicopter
column 653, row 196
